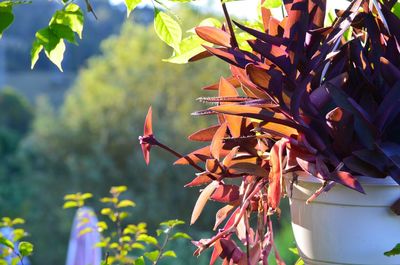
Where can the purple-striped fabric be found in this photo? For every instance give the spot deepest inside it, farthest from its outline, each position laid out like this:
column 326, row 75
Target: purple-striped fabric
column 81, row 248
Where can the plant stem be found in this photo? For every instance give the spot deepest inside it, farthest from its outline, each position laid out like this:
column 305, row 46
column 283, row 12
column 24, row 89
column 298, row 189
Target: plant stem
column 179, row 156
column 234, row 42
column 163, row 246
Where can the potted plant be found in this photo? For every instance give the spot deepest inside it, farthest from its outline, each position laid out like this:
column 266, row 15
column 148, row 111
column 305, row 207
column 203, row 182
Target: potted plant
column 308, row 106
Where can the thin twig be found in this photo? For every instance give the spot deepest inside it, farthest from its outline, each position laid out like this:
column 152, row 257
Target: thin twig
column 234, row 42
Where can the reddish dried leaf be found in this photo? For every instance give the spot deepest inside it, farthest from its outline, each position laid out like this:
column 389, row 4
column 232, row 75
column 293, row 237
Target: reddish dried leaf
column 228, row 159
column 275, row 174
column 213, row 166
column 200, row 56
column 214, row 35
column 200, row 179
column 248, row 87
column 226, row 193
column 262, row 36
column 216, row 252
column 204, row 135
column 147, row 131
column 200, row 155
column 232, row 80
column 222, row 214
column 233, row 56
column 256, row 113
column 347, row 180
column 202, row 200
column 217, row 141
column 306, row 166
column 238, row 168
column 230, row 250
column 274, row 53
column 234, row 123
column 396, row 207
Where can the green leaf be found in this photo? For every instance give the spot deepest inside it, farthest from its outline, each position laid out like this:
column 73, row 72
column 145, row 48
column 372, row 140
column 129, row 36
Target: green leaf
column 70, row 204
column 64, row 32
column 140, row 261
column 5, row 242
column 117, row 190
column 169, row 253
column 130, row 5
column 299, row 262
column 272, row 4
column 25, row 248
column 106, row 211
column 294, row 251
column 147, row 239
column 188, row 48
column 15, row 261
column 172, row 223
column 396, row 9
column 181, row 235
column 86, row 196
column 394, row 251
column 35, row 51
column 72, row 17
column 153, row 255
column 18, row 234
column 167, row 29
column 18, row 221
column 102, row 226
column 126, row 203
column 6, row 18
column 137, row 245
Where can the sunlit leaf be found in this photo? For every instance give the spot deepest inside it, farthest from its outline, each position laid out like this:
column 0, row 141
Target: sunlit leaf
column 147, row 239
column 70, row 204
column 131, row 5
column 25, row 248
column 167, row 29
column 126, row 203
column 202, row 200
column 6, row 18
column 178, row 235
column 153, row 255
column 272, row 4
column 5, row 242
column 169, row 253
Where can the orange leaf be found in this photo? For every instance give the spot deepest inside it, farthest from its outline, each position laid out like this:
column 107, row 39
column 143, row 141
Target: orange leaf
column 275, row 174
column 232, row 80
column 200, row 179
column 256, row 113
column 248, row 169
column 214, row 35
column 222, row 214
column 218, row 141
column 228, row 159
column 204, row 135
column 202, row 200
column 226, row 193
column 226, row 89
column 147, row 131
column 200, row 155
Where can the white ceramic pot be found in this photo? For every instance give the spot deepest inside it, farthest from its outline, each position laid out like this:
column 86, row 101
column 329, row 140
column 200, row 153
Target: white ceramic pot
column 343, row 226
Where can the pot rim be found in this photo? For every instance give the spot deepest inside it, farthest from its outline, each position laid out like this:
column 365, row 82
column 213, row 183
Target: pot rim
column 364, row 180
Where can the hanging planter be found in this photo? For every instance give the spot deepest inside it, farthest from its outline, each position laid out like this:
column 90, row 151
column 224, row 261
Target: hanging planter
column 343, row 226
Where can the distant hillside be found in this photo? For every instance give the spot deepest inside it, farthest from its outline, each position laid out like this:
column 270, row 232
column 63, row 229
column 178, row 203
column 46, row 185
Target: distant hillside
column 20, row 35
column 45, row 79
